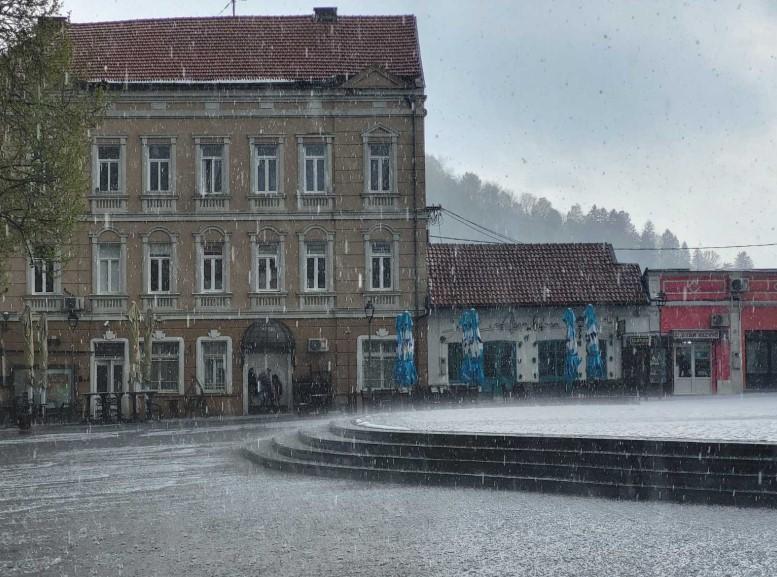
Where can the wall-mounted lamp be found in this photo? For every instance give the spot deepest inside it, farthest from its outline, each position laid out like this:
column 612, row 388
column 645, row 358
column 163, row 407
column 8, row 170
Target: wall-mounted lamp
column 72, row 320
column 6, row 318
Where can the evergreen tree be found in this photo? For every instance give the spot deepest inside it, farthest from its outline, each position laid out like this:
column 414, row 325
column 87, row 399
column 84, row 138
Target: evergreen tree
column 743, row 261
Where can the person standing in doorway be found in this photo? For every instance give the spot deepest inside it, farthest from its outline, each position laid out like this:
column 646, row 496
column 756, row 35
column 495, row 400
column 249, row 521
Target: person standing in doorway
column 277, row 391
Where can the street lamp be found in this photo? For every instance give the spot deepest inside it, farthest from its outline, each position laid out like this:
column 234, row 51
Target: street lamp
column 72, row 322
column 3, row 330
column 369, row 312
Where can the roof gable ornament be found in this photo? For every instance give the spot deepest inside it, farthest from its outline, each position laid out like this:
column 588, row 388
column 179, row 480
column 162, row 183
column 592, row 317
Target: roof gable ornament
column 374, row 76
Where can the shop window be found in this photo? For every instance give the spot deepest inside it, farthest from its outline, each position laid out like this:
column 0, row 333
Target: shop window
column 378, row 363
column 551, row 360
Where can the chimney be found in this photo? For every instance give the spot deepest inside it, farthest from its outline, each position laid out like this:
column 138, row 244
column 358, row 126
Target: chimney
column 326, row 14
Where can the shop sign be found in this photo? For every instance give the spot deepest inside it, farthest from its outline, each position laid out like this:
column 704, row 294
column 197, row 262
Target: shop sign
column 697, row 334
column 639, row 341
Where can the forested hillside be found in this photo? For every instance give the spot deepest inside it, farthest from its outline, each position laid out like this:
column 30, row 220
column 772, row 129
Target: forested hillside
column 527, row 218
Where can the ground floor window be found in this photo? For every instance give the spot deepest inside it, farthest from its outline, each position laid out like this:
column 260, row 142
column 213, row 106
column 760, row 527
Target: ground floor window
column 214, row 363
column 165, row 366
column 551, row 360
column 378, row 357
column 109, row 365
column 761, row 359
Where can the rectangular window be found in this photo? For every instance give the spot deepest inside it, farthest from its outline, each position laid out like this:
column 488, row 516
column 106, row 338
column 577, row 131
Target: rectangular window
column 212, row 156
column 455, row 357
column 267, row 267
column 214, row 359
column 159, row 168
column 315, row 265
column 380, row 263
column 108, row 261
column 165, row 366
column 266, row 168
column 159, row 261
column 378, row 363
column 380, row 167
column 43, row 276
column 315, row 168
column 213, row 267
column 108, row 159
column 551, row 360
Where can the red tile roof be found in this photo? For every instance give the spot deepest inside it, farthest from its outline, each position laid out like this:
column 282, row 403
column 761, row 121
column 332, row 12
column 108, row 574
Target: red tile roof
column 245, row 48
column 531, row 274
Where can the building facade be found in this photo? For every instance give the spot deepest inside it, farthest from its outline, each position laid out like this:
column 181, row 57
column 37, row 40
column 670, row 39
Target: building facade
column 520, row 292
column 256, row 182
column 720, row 328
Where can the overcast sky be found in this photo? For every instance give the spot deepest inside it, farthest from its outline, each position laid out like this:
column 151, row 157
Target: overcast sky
column 665, row 110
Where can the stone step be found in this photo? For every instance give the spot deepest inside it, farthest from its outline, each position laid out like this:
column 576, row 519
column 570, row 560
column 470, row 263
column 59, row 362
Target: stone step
column 263, row 453
column 666, row 447
column 297, row 448
column 325, row 439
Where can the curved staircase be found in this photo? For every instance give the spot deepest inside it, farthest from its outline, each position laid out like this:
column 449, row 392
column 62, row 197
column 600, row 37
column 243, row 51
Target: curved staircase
column 714, row 472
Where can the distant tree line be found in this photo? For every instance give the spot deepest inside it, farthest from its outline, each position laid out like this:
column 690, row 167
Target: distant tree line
column 528, row 218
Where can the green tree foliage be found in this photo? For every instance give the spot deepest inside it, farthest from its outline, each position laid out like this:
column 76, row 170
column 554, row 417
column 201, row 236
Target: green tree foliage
column 45, row 119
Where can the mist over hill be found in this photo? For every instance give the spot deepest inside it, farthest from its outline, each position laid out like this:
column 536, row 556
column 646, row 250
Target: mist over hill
column 476, row 205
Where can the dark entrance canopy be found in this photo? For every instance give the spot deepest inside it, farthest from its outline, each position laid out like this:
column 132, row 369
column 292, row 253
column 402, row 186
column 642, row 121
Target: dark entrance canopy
column 267, row 336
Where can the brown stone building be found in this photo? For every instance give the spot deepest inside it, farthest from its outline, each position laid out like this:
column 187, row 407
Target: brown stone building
column 255, row 183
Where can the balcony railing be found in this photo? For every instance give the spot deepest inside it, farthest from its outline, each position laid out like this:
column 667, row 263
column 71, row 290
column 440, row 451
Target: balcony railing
column 213, row 302
column 108, row 203
column 315, row 202
column 108, row 303
column 45, row 303
column 211, row 202
column 259, row 202
column 268, row 301
column 317, row 301
column 382, row 300
column 156, row 203
column 380, row 201
column 160, row 302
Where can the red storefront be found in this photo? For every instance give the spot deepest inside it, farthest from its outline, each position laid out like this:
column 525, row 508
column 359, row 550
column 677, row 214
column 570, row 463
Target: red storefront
column 722, row 328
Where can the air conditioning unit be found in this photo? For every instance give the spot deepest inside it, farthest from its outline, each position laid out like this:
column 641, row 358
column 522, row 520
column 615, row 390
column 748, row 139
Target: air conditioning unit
column 739, row 285
column 73, row 304
column 719, row 321
column 318, row 345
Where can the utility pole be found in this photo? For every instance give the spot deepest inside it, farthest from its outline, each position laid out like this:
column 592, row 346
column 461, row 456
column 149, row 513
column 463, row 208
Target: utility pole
column 233, row 6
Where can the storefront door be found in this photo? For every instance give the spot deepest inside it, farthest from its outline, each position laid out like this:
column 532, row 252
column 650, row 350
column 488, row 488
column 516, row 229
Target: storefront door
column 692, row 368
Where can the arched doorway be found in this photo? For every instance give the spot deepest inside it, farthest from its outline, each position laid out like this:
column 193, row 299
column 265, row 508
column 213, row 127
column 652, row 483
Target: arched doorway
column 267, row 344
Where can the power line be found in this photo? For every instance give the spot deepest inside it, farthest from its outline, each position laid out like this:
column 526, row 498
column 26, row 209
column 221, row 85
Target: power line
column 483, row 229
column 466, row 239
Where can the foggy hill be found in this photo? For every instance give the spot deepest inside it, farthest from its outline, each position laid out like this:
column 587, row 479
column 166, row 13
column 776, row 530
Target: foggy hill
column 527, row 218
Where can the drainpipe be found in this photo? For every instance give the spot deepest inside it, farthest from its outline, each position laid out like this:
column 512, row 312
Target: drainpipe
column 411, row 102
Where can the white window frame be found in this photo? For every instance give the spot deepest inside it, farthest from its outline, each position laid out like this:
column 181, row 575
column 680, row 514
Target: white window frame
column 97, row 240
column 362, row 358
column 101, row 290
column 382, row 257
column 379, row 134
column 121, row 164
column 215, row 336
column 210, row 261
column 381, row 234
column 200, row 242
column 265, row 256
column 172, row 240
column 94, row 360
column 264, row 237
column 162, row 338
column 317, row 258
column 56, row 276
column 254, row 144
column 159, row 260
column 200, row 142
column 148, row 142
column 327, row 142
column 380, row 159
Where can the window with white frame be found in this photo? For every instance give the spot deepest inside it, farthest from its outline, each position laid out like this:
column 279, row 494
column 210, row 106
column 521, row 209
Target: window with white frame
column 315, row 265
column 159, row 167
column 315, row 167
column 377, row 363
column 214, row 360
column 108, row 268
column 108, row 166
column 44, row 275
column 159, row 262
column 267, row 267
column 212, row 266
column 166, row 363
column 211, row 168
column 266, row 168
column 380, row 167
column 380, row 265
